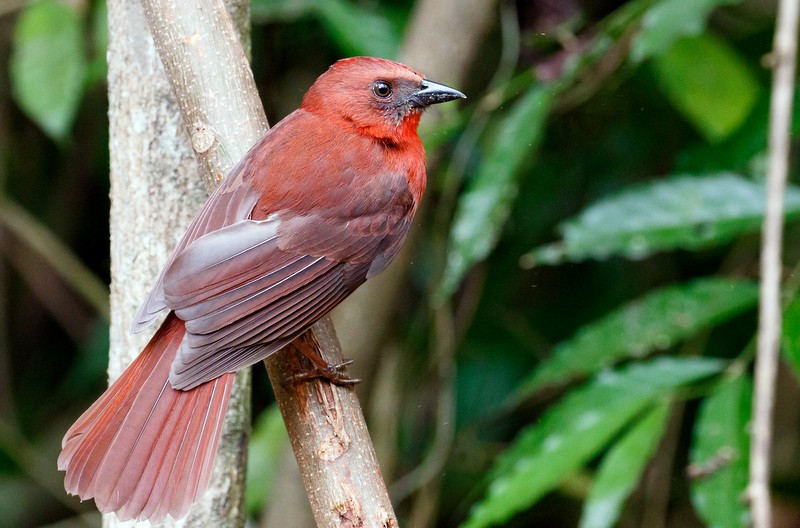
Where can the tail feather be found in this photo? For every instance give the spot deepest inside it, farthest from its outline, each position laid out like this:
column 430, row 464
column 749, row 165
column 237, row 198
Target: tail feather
column 145, row 450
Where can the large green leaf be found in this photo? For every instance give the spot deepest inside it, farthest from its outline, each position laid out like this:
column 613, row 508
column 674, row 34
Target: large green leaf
column 622, row 468
column 681, row 212
column 655, row 322
column 484, row 206
column 576, row 429
column 668, row 20
column 48, row 65
column 720, row 455
column 709, row 83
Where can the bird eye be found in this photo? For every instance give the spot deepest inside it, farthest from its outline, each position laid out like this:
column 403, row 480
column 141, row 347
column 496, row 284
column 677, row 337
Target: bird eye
column 382, row 89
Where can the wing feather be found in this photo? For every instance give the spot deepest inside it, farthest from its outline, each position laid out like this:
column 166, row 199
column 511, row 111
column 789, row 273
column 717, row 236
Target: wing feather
column 231, row 202
column 285, row 319
column 233, row 306
column 248, row 288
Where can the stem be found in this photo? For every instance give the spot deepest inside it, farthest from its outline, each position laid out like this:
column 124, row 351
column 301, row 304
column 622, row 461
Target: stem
column 784, row 55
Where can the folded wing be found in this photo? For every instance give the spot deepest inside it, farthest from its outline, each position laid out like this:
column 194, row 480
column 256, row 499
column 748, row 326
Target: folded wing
column 242, row 297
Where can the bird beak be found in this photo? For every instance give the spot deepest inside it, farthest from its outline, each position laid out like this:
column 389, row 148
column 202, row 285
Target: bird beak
column 433, row 93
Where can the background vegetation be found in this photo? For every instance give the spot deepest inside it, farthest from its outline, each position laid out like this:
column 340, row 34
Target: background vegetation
column 574, row 345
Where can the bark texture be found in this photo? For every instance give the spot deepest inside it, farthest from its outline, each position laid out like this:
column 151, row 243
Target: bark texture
column 329, row 436
column 156, row 186
column 216, row 96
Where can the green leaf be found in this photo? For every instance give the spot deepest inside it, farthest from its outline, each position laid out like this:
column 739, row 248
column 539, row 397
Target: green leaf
column 655, row 322
column 720, row 455
column 359, row 31
column 668, row 20
column 267, row 443
column 709, row 83
column 47, row 65
column 576, row 429
column 484, row 206
column 681, row 212
column 622, row 468
column 790, row 339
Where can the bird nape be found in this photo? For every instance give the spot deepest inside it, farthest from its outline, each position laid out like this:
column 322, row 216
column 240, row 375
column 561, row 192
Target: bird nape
column 321, row 203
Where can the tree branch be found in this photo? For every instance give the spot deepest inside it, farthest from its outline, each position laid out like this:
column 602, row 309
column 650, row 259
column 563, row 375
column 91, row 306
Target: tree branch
column 330, row 438
column 220, row 107
column 784, row 57
column 155, row 191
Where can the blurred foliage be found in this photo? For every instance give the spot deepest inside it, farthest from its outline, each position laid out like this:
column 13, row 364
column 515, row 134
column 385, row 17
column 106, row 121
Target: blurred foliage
column 586, row 265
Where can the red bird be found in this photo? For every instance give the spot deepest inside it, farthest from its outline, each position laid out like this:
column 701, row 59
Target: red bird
column 319, row 205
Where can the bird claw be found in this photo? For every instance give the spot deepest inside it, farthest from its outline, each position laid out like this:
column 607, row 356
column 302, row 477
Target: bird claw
column 332, row 373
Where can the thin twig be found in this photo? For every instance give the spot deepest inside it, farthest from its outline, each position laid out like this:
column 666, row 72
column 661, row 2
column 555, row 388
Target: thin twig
column 783, row 57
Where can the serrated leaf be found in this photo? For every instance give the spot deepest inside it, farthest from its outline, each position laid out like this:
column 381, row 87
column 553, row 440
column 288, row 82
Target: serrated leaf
column 655, row 322
column 358, row 31
column 681, row 212
column 267, row 443
column 709, row 83
column 576, row 429
column 622, row 468
column 720, row 455
column 668, row 20
column 484, row 206
column 47, row 65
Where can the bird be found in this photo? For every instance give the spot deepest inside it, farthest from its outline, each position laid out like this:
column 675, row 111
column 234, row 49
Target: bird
column 320, row 204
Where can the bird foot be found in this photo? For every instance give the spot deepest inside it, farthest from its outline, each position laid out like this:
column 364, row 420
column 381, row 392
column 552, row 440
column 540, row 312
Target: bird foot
column 329, row 372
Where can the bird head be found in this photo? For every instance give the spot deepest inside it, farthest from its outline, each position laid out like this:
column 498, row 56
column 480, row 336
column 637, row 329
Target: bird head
column 378, row 97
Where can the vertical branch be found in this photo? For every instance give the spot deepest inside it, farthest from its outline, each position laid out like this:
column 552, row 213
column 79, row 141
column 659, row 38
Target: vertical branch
column 784, row 57
column 208, row 72
column 207, row 67
column 155, row 190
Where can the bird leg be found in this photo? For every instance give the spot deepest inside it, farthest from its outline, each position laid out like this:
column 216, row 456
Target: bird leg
column 320, row 367
column 329, row 372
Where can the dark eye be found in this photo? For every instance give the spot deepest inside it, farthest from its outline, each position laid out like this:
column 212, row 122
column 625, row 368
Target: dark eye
column 382, row 89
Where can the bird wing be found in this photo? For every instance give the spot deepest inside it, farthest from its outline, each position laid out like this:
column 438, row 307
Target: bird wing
column 281, row 242
column 229, row 203
column 248, row 289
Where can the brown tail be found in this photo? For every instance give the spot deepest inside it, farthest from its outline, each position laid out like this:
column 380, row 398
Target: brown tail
column 145, row 450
